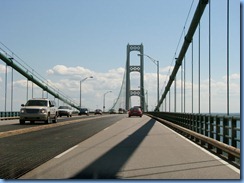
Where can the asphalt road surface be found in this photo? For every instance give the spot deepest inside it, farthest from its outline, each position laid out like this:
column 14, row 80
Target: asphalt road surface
column 25, row 147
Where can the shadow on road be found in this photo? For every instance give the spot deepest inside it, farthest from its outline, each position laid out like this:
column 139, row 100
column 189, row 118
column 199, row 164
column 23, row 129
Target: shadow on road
column 109, row 164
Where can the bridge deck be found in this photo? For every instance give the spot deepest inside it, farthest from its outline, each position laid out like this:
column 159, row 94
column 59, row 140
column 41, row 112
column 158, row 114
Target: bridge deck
column 135, row 148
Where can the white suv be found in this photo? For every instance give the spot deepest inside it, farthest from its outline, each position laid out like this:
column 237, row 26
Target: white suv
column 38, row 110
column 65, row 111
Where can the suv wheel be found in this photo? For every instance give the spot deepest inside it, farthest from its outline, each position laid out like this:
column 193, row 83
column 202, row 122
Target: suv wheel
column 55, row 119
column 48, row 119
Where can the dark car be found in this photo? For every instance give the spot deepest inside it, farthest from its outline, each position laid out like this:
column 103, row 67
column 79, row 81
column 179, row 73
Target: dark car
column 135, row 111
column 112, row 111
column 122, row 111
column 98, row 111
column 84, row 111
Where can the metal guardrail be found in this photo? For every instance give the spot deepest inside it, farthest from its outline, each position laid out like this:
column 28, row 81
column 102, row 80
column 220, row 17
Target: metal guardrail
column 9, row 115
column 219, row 134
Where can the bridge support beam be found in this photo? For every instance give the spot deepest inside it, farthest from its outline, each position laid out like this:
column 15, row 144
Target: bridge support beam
column 30, row 77
column 138, row 68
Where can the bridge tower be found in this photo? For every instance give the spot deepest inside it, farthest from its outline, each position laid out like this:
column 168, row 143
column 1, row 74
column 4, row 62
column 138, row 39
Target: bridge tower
column 134, row 68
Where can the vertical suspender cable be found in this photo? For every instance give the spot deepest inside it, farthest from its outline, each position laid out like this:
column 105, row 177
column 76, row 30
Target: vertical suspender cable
column 32, row 85
column 27, row 81
column 199, row 69
column 184, row 78
column 165, row 104
column 228, row 57
column 169, row 100
column 12, row 85
column 209, row 52
column 192, row 77
column 175, row 93
column 181, row 89
column 6, row 78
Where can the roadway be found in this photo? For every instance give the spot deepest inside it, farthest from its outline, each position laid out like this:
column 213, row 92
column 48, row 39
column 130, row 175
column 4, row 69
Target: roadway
column 24, row 147
column 105, row 147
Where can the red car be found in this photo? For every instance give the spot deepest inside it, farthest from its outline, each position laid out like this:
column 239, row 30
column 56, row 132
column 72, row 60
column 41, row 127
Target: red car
column 135, row 111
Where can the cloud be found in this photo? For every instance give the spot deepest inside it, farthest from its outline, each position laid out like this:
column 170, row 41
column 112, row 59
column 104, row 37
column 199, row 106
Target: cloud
column 63, row 70
column 235, row 76
column 67, row 80
column 166, row 70
column 110, row 79
column 20, row 83
column 3, row 68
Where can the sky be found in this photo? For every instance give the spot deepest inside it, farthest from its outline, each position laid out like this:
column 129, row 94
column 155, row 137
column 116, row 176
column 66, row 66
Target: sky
column 65, row 41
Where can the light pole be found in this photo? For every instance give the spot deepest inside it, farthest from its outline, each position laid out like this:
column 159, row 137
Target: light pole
column 104, row 99
column 156, row 62
column 81, row 81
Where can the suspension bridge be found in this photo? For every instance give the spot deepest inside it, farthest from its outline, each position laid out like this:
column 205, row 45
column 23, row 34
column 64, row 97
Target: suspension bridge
column 115, row 146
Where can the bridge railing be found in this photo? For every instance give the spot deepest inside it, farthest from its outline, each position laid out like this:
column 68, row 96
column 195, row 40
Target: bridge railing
column 9, row 115
column 219, row 134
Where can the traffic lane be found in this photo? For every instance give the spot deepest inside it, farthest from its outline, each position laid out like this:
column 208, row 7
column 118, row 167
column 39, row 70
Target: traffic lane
column 22, row 153
column 67, row 164
column 136, row 148
column 16, row 121
column 14, row 124
column 43, row 127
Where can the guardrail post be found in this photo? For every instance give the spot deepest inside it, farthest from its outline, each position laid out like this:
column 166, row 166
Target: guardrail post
column 191, row 121
column 217, row 128
column 195, row 122
column 230, row 136
column 210, row 130
column 225, row 130
column 233, row 132
column 204, row 123
column 210, row 126
column 199, row 123
column 218, row 134
column 206, row 126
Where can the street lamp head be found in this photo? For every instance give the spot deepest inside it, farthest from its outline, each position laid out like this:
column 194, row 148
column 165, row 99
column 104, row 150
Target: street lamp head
column 139, row 54
column 91, row 77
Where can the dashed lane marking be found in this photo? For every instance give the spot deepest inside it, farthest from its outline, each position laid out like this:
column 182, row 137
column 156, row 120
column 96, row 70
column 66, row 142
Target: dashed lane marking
column 65, row 152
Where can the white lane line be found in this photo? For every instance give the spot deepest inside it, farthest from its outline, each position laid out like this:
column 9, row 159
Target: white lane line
column 65, row 152
column 105, row 129
column 214, row 156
